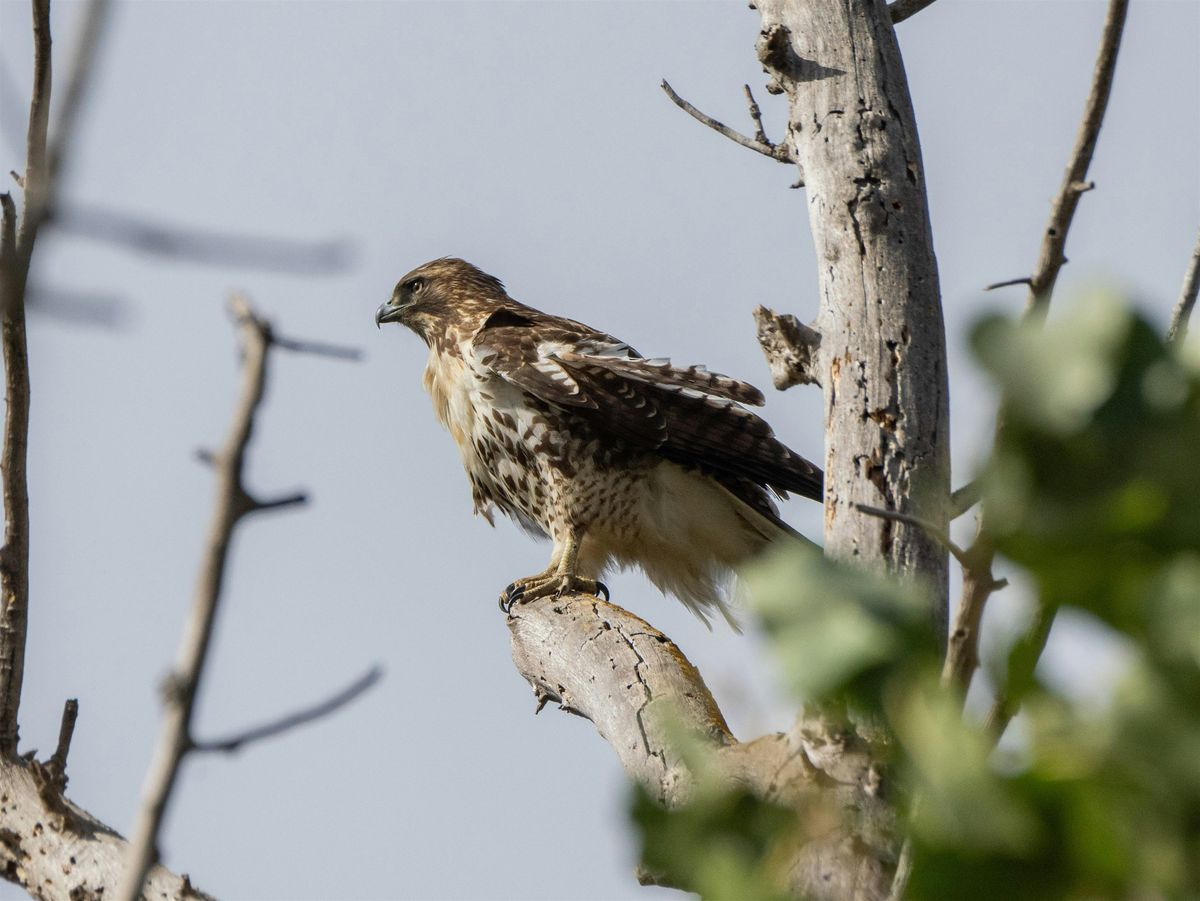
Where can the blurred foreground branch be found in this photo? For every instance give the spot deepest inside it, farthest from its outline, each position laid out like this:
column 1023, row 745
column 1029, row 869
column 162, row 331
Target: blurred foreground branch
column 197, row 245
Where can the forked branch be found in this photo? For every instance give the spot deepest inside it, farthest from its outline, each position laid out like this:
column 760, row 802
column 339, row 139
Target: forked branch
column 233, row 502
column 759, row 143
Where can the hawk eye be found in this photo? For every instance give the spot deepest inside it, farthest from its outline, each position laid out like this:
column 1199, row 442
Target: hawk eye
column 416, row 286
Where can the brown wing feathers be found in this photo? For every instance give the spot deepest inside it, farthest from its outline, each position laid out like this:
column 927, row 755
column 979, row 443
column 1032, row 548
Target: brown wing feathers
column 689, row 416
column 688, row 427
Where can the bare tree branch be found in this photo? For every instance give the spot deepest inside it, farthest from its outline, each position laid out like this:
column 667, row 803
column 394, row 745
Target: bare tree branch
column 287, row 723
column 942, row 536
column 45, row 152
column 962, row 648
column 16, row 250
column 978, row 583
column 1187, row 298
column 760, row 133
column 903, row 9
column 1074, row 183
column 964, row 498
column 233, row 502
column 56, row 850
column 200, row 245
column 642, row 694
column 66, row 731
column 43, row 156
column 181, row 686
column 1008, row 283
column 255, row 505
column 778, row 152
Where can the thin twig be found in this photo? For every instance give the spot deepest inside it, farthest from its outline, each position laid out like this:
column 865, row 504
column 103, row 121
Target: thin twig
column 1054, row 239
column 964, row 498
column 962, row 645
column 903, row 9
column 778, row 152
column 175, row 737
column 298, row 499
column 292, row 720
column 66, row 731
column 1187, row 298
column 940, row 535
column 1023, row 280
column 760, row 133
column 978, row 583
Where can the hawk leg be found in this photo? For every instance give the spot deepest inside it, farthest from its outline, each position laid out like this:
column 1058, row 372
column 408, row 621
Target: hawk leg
column 555, row 581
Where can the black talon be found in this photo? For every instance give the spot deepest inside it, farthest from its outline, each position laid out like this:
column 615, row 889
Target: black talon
column 511, row 595
column 602, row 589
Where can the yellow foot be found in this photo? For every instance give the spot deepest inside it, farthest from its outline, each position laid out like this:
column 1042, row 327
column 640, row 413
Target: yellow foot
column 542, row 586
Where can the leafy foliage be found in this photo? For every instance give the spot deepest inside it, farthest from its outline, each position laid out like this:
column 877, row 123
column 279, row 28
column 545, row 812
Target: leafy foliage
column 1094, row 490
column 726, row 846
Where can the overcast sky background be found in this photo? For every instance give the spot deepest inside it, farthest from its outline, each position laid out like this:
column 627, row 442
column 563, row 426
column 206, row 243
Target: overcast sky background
column 533, row 140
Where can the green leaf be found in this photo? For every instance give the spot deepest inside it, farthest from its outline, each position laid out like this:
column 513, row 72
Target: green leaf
column 724, row 846
column 838, row 633
column 1094, row 485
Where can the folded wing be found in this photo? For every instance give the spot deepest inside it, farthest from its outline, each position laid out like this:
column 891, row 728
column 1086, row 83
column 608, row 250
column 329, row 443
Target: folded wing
column 687, row 415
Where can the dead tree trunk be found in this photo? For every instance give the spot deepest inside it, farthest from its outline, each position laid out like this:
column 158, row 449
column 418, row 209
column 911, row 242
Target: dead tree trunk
column 878, row 350
column 879, row 346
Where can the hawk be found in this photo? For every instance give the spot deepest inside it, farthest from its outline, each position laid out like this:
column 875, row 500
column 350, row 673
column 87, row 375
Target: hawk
column 617, row 458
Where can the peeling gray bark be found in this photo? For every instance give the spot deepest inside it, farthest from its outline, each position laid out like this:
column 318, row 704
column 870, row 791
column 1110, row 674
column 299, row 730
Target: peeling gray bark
column 59, row 852
column 882, row 356
column 606, row 664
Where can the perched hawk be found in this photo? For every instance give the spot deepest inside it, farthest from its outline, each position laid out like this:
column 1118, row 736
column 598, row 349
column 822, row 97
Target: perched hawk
column 617, row 458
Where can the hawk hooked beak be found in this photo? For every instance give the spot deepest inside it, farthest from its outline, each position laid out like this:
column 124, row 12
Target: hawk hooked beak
column 388, row 312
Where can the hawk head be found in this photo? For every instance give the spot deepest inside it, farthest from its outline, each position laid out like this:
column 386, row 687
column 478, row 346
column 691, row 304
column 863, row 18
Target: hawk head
column 441, row 292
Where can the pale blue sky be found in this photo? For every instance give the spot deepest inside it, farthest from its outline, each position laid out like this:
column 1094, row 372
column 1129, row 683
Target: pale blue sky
column 533, row 140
